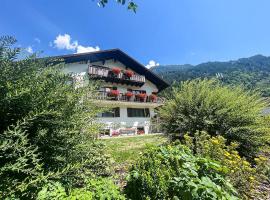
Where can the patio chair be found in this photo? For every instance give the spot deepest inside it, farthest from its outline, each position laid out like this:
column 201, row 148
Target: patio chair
column 109, row 126
column 135, row 126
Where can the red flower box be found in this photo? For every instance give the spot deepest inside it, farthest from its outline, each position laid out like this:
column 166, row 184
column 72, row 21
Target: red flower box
column 113, row 93
column 153, row 97
column 116, row 70
column 129, row 94
column 129, row 73
column 141, row 96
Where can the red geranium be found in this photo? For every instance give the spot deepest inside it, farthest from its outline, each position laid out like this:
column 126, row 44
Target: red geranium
column 114, row 93
column 129, row 94
column 129, row 73
column 142, row 95
column 153, row 97
column 116, row 70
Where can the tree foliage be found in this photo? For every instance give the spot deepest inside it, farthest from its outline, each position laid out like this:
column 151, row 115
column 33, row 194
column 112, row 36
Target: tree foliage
column 131, row 5
column 251, row 73
column 20, row 166
column 206, row 105
column 47, row 126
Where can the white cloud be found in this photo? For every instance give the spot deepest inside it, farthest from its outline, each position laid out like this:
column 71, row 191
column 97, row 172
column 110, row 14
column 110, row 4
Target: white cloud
column 151, row 64
column 82, row 49
column 29, row 49
column 65, row 42
column 37, row 40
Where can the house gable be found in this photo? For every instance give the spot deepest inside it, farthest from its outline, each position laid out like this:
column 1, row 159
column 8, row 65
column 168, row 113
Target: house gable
column 116, row 55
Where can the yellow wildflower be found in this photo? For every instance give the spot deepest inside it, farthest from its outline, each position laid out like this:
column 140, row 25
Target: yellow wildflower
column 245, row 163
column 227, row 154
column 235, row 152
column 215, row 141
column 262, row 158
column 251, row 178
column 234, row 162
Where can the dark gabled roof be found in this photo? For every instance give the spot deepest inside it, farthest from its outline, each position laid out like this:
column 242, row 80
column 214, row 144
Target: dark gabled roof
column 120, row 56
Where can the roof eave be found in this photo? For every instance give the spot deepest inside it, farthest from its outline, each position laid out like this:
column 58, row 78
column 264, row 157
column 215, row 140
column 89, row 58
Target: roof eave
column 110, row 54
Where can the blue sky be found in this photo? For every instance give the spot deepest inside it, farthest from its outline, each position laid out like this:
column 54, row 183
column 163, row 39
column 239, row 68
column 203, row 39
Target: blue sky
column 165, row 31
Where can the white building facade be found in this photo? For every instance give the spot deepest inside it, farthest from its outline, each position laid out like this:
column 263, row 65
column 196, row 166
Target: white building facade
column 127, row 87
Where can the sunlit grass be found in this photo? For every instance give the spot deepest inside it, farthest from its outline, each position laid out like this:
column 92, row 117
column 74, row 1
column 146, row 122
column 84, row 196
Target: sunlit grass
column 128, row 149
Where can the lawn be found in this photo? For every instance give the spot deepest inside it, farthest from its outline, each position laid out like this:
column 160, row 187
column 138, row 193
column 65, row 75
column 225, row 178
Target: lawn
column 126, row 150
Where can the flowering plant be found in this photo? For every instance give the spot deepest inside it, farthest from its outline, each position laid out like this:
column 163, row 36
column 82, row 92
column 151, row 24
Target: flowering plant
column 129, row 73
column 153, row 97
column 129, row 94
column 244, row 176
column 114, row 93
column 141, row 96
column 174, row 172
column 116, row 70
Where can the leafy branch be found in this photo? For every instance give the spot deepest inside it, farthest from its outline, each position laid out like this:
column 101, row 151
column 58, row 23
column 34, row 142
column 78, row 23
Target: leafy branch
column 130, row 5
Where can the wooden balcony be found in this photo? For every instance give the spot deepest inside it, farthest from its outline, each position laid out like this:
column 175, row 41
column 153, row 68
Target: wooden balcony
column 123, row 99
column 106, row 74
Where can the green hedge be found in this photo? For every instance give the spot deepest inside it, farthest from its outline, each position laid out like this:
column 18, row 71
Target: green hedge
column 172, row 172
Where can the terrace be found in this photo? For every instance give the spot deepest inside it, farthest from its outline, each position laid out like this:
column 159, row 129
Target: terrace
column 128, row 97
column 115, row 75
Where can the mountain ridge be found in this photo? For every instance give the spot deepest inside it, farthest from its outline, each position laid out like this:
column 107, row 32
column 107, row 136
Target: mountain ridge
column 251, row 72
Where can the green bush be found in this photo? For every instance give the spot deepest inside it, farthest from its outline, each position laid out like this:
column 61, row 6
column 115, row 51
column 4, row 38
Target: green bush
column 244, row 176
column 104, row 188
column 206, row 105
column 96, row 189
column 53, row 190
column 47, row 127
column 172, row 172
column 20, row 167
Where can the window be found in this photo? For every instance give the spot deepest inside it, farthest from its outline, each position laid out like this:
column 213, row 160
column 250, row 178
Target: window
column 115, row 112
column 138, row 112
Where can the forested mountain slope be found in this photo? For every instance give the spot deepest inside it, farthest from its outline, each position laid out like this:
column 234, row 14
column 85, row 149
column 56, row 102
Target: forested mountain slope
column 253, row 72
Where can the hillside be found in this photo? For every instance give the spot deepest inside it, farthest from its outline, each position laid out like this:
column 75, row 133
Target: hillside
column 252, row 72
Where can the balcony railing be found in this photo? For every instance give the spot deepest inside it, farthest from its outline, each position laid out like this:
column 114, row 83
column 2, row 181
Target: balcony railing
column 101, row 95
column 105, row 73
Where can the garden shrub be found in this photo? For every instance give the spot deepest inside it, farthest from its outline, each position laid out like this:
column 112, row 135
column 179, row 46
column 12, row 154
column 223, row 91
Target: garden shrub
column 206, row 105
column 20, row 168
column 104, row 188
column 96, row 189
column 244, row 176
column 53, row 190
column 172, row 172
column 47, row 126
